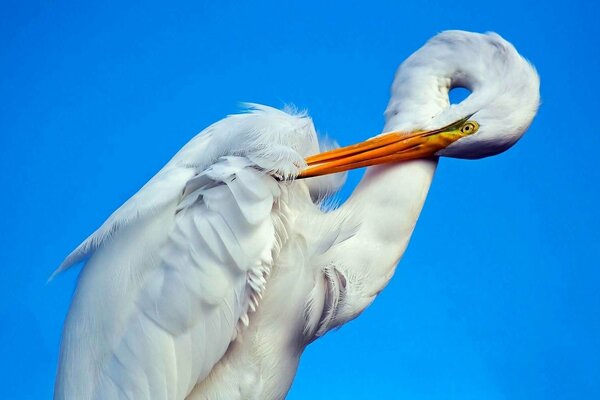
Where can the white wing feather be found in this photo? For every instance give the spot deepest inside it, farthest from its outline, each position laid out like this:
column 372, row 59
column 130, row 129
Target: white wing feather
column 174, row 270
column 274, row 140
column 194, row 300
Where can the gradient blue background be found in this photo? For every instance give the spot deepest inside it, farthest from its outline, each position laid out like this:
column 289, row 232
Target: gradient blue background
column 497, row 296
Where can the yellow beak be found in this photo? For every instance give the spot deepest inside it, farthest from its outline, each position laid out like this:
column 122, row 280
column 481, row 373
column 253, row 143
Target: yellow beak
column 390, row 147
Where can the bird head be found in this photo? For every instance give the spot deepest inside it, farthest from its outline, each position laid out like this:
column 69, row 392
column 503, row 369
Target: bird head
column 421, row 122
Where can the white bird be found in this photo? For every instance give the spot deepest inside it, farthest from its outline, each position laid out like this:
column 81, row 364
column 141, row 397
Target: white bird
column 212, row 279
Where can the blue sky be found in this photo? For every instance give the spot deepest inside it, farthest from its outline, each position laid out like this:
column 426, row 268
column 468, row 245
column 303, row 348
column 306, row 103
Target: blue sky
column 97, row 97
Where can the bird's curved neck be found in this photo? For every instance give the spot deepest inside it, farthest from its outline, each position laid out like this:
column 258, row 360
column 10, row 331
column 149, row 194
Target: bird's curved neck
column 388, row 201
column 390, row 197
column 413, row 107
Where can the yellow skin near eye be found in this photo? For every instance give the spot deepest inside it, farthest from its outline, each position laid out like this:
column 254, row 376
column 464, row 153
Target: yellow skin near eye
column 442, row 138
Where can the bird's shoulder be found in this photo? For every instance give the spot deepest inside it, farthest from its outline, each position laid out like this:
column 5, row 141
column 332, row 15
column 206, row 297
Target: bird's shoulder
column 272, row 141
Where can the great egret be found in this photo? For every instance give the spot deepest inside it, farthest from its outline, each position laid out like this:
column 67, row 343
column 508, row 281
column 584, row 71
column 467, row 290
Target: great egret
column 212, row 279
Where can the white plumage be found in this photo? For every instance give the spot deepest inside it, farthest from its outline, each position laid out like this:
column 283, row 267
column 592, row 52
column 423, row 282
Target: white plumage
column 211, row 280
column 175, row 271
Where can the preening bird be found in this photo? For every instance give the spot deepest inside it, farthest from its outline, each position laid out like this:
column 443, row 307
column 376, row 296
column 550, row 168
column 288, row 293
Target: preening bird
column 212, row 279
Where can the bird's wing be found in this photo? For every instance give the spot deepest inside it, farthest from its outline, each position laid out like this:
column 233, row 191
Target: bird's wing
column 163, row 189
column 164, row 293
column 213, row 267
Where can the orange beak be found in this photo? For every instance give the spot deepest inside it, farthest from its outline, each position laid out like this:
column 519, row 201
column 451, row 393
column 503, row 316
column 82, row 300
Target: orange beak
column 388, row 148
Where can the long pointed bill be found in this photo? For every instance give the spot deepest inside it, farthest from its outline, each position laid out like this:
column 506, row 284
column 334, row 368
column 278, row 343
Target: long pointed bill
column 388, row 148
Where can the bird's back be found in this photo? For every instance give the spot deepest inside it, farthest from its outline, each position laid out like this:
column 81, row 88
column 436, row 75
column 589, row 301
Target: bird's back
column 173, row 274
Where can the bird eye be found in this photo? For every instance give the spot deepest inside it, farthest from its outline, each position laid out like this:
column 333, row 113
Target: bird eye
column 468, row 128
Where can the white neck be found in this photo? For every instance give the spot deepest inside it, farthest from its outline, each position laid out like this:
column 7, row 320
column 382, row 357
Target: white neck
column 388, row 200
column 390, row 197
column 386, row 203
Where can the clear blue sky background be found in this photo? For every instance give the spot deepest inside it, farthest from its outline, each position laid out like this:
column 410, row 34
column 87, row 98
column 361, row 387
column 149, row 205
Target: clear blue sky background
column 498, row 295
